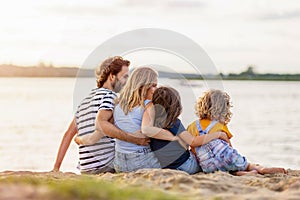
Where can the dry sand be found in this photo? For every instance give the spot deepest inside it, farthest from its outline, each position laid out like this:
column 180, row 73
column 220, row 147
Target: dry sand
column 217, row 185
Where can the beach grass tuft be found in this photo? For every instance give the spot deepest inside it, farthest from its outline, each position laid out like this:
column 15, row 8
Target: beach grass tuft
column 82, row 187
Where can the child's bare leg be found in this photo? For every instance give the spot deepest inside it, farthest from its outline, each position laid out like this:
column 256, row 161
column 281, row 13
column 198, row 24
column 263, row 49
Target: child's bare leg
column 266, row 170
column 242, row 173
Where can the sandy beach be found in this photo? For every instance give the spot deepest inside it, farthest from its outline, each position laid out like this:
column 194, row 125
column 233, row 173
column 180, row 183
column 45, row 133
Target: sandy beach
column 220, row 185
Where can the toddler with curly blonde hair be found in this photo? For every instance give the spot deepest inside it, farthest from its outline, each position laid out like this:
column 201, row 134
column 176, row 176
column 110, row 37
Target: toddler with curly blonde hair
column 213, row 110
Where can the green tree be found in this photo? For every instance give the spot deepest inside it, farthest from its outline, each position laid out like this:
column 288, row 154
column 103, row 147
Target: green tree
column 249, row 72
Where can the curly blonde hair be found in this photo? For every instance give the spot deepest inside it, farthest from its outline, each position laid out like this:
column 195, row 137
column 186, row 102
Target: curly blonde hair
column 214, row 105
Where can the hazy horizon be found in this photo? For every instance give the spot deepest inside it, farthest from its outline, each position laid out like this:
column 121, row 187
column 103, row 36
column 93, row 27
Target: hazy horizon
column 164, row 69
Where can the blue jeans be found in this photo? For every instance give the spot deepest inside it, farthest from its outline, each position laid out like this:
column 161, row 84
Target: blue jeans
column 191, row 165
column 128, row 162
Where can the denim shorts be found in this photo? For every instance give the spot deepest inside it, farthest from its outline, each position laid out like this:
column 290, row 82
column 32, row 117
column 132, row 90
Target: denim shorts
column 128, row 162
column 218, row 155
column 191, row 165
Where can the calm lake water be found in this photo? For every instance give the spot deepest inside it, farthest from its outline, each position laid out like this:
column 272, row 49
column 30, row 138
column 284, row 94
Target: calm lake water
column 35, row 112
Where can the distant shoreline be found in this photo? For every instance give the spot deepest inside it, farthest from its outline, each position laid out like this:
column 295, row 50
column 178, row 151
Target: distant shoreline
column 12, row 71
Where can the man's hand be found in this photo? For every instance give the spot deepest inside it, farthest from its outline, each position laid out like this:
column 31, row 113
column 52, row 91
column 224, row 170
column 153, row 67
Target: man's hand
column 142, row 141
column 139, row 139
column 55, row 170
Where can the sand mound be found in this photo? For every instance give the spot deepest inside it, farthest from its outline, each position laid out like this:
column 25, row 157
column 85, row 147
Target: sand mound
column 199, row 186
column 217, row 184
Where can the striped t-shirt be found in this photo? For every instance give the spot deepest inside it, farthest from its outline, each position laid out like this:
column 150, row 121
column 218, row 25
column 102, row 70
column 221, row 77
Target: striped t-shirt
column 101, row 154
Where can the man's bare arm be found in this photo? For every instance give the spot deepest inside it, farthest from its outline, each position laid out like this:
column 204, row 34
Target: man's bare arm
column 104, row 125
column 64, row 145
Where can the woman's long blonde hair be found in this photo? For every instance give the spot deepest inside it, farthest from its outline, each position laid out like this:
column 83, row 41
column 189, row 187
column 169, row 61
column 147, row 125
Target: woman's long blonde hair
column 214, row 105
column 134, row 92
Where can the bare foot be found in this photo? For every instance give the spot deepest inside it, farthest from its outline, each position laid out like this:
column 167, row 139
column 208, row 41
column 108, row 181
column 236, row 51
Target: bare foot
column 266, row 170
column 273, row 170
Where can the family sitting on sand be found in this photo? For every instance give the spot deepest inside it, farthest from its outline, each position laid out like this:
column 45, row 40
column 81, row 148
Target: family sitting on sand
column 140, row 128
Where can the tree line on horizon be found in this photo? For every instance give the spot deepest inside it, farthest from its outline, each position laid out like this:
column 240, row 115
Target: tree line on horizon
column 43, row 70
column 250, row 74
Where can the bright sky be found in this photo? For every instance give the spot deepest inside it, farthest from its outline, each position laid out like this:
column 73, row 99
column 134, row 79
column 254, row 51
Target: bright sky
column 234, row 33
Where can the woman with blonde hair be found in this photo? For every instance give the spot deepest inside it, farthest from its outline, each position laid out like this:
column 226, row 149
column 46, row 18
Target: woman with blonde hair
column 128, row 116
column 213, row 110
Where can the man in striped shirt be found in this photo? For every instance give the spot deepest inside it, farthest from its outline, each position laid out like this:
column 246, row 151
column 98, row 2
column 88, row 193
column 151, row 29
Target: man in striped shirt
column 111, row 77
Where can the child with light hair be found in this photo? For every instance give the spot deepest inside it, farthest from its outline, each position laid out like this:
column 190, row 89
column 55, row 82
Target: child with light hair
column 213, row 110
